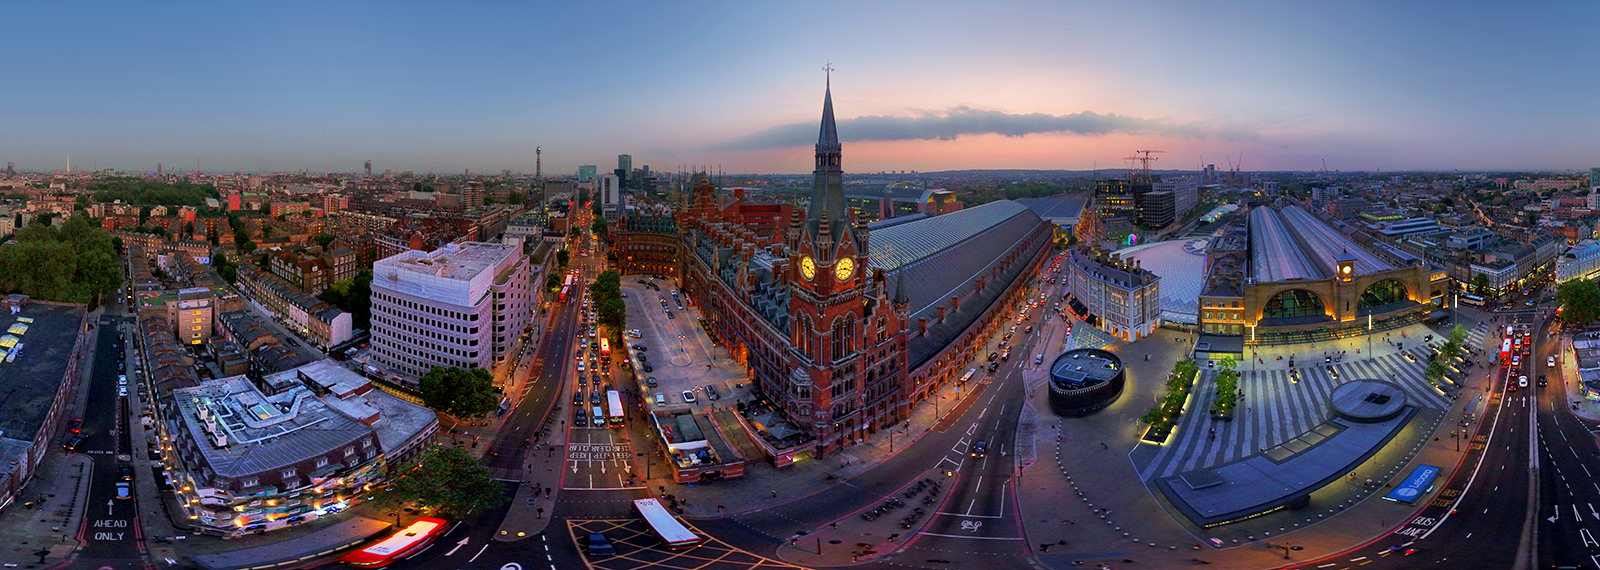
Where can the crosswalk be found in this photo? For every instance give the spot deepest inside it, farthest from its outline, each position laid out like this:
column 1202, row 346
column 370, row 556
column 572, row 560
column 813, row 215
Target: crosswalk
column 1275, row 409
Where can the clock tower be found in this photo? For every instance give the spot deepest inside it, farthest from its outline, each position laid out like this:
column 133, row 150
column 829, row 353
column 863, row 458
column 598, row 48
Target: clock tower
column 829, row 304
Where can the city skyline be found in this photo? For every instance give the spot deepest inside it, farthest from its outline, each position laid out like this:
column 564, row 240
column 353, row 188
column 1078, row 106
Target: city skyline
column 413, row 87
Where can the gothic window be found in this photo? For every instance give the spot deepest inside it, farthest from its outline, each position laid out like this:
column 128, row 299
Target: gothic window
column 843, row 344
column 803, row 336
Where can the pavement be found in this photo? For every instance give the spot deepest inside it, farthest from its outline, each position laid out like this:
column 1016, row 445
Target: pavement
column 1114, row 523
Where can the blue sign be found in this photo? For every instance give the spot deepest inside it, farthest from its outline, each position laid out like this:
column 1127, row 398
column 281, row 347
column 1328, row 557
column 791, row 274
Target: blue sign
column 1417, row 484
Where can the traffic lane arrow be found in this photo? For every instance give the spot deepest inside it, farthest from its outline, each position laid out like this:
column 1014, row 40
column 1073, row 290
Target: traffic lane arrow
column 109, row 504
column 457, row 547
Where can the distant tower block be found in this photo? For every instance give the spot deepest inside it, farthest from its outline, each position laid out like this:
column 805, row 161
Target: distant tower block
column 538, row 162
column 369, row 169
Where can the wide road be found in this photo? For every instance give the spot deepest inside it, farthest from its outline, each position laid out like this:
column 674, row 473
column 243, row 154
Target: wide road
column 1569, row 497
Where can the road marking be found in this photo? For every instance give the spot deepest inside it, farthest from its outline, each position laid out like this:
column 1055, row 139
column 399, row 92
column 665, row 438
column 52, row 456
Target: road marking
column 1588, row 539
column 972, row 537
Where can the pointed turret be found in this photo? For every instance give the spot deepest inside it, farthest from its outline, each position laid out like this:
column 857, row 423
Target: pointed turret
column 827, row 192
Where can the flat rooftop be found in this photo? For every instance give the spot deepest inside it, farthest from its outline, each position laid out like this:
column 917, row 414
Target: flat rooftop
column 455, row 261
column 30, row 378
column 1076, row 369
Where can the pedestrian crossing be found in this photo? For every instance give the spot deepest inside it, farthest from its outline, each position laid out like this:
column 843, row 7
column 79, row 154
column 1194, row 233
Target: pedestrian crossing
column 1276, row 408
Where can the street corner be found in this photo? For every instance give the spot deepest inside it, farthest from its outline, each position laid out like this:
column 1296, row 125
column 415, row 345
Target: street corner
column 876, row 530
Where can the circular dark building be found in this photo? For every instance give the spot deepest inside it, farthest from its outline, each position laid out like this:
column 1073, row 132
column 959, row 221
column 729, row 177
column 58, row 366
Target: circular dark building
column 1085, row 381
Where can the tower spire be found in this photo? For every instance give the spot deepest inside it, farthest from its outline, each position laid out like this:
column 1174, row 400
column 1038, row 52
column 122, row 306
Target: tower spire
column 827, row 193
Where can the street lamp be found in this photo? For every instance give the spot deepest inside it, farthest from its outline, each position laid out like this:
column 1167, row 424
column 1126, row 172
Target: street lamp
column 396, row 516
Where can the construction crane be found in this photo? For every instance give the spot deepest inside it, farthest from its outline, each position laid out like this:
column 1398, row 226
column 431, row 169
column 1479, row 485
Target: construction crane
column 1324, row 167
column 1144, row 159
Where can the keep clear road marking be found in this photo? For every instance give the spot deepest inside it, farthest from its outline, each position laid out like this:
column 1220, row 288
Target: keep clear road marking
column 1588, row 539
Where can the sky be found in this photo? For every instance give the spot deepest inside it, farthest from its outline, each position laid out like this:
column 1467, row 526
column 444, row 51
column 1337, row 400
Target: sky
column 738, row 86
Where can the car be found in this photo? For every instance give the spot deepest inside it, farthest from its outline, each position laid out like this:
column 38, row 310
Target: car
column 641, row 348
column 1522, row 381
column 980, row 448
column 688, row 397
column 1211, row 364
column 599, row 418
column 598, row 545
column 649, row 368
column 577, row 398
column 994, row 356
column 1028, row 330
column 993, row 366
column 580, row 366
column 1529, row 303
column 594, row 397
column 122, row 391
column 1409, row 356
column 1542, row 381
column 75, row 425
column 125, row 471
column 661, row 399
column 711, row 393
column 582, row 415
column 1326, row 358
column 671, row 315
column 122, row 379
column 1550, row 361
column 73, row 443
column 582, row 342
column 1038, row 359
column 124, row 490
column 1511, row 386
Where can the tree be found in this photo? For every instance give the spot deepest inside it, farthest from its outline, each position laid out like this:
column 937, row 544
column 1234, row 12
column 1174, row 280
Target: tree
column 459, row 392
column 1480, row 285
column 448, row 481
column 247, row 246
column 1580, row 301
column 75, row 264
column 552, row 281
column 514, row 198
column 562, row 257
column 352, row 296
column 598, row 227
column 324, row 239
column 227, row 269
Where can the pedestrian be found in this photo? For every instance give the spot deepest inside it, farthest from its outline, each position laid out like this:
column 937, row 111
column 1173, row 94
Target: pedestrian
column 774, row 493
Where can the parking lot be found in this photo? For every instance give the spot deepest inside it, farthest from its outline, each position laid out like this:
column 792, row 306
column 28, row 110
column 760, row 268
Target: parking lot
column 680, row 354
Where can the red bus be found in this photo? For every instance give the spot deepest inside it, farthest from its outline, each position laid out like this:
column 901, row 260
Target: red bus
column 605, row 347
column 1505, row 352
column 410, row 540
column 563, row 297
column 672, row 533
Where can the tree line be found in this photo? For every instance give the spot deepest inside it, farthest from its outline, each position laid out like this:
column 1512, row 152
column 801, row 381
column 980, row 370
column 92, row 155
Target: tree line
column 75, row 264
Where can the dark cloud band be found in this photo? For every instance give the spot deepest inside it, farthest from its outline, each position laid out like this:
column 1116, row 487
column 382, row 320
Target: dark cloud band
column 960, row 121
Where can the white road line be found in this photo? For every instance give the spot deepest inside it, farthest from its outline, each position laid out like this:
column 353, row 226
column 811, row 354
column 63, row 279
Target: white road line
column 973, row 537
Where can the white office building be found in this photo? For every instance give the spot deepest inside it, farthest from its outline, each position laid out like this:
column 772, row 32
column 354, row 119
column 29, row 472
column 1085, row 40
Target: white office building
column 463, row 305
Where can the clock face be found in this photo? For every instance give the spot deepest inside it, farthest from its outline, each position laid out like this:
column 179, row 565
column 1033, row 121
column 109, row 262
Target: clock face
column 844, row 268
column 808, row 268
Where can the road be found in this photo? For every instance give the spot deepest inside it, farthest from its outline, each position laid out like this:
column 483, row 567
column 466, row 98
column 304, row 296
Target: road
column 111, row 534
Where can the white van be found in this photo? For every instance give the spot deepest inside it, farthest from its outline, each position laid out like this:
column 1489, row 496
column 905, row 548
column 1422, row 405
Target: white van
column 599, row 416
column 1550, row 361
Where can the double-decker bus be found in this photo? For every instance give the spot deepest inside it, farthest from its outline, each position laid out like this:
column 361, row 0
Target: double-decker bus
column 1473, row 300
column 605, row 346
column 563, row 297
column 1505, row 352
column 410, row 540
column 672, row 533
column 614, row 408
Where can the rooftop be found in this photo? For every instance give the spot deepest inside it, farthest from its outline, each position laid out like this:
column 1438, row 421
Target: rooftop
column 310, row 411
column 33, row 363
column 1181, row 266
column 1058, row 210
column 461, row 261
column 1083, row 367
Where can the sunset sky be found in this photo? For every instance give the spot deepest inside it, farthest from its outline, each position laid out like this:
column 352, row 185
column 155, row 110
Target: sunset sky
column 923, row 86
